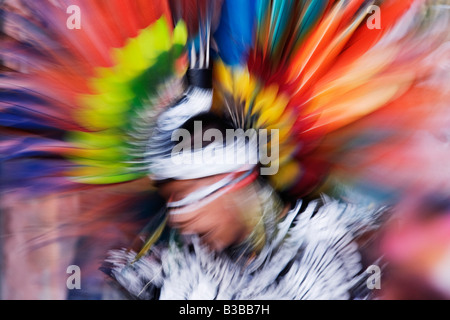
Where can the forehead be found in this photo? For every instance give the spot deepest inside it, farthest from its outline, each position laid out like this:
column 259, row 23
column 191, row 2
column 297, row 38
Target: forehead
column 176, row 189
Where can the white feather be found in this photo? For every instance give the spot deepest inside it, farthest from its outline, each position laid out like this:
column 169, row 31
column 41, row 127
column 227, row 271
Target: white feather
column 313, row 256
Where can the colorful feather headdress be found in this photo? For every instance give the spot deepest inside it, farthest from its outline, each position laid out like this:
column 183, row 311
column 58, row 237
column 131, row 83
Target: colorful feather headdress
column 84, row 103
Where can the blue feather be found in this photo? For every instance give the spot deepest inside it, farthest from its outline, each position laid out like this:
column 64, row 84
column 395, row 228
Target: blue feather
column 19, row 147
column 23, row 110
column 261, row 11
column 234, row 36
column 312, row 16
column 36, row 177
column 279, row 20
column 20, row 120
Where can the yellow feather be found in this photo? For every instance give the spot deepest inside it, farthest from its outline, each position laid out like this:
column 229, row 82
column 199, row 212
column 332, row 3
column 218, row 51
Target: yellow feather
column 286, row 176
column 273, row 112
column 284, row 125
column 223, row 76
column 265, row 98
column 151, row 241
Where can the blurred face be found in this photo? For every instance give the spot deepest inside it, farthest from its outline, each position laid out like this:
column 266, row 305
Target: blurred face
column 218, row 219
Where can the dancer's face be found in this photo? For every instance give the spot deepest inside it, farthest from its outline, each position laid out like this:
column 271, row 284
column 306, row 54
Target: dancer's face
column 217, row 219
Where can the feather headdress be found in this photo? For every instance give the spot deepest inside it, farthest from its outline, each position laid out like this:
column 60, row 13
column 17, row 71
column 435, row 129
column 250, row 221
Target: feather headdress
column 354, row 89
column 89, row 97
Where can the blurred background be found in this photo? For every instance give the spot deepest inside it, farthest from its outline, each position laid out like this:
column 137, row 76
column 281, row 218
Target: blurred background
column 39, row 239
